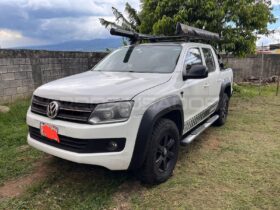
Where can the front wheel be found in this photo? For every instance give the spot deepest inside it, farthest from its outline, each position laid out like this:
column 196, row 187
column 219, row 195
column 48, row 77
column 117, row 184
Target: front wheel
column 162, row 154
column 223, row 110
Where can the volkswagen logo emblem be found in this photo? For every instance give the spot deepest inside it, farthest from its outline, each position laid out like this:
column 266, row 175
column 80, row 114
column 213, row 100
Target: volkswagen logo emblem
column 52, row 109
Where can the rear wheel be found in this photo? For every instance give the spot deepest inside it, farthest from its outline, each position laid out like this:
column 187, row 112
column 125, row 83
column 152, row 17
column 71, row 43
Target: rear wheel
column 162, row 154
column 223, row 110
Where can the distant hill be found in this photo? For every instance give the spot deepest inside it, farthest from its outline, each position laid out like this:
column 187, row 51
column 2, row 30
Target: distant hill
column 80, row 45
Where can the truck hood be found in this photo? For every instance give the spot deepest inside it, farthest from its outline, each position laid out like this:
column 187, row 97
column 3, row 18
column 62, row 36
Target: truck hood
column 100, row 87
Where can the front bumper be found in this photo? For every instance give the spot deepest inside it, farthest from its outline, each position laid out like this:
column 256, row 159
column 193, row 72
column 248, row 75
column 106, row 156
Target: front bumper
column 110, row 160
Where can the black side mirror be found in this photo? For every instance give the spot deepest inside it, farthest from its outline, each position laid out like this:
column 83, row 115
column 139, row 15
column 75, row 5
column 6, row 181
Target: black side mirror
column 195, row 72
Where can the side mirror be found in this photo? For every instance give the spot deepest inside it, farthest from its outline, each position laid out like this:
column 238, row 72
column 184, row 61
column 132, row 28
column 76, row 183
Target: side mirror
column 195, row 72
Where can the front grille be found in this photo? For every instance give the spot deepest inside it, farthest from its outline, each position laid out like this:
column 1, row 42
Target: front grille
column 79, row 145
column 68, row 111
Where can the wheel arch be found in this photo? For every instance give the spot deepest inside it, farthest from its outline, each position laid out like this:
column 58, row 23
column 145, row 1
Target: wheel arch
column 226, row 88
column 170, row 108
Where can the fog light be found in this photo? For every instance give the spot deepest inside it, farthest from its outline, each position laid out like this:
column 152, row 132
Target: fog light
column 112, row 146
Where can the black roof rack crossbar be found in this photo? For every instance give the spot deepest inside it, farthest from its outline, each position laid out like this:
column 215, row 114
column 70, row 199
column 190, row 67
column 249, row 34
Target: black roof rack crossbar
column 184, row 33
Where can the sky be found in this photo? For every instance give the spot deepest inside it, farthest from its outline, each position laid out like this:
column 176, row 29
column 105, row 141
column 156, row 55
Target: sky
column 43, row 22
column 274, row 37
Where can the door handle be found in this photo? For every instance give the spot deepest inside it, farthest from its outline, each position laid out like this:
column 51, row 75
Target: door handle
column 206, row 85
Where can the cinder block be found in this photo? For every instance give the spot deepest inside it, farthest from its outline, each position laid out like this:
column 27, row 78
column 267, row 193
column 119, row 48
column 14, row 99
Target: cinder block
column 29, row 75
column 18, row 61
column 3, row 84
column 5, row 61
column 31, row 88
column 27, row 61
column 27, row 82
column 20, row 96
column 21, row 75
column 6, row 99
column 13, row 68
column 3, row 69
column 8, row 76
column 22, row 90
column 15, row 61
column 28, row 68
column 25, row 67
column 10, row 91
column 14, row 83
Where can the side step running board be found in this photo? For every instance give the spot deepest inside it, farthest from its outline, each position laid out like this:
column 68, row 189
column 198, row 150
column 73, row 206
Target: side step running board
column 188, row 139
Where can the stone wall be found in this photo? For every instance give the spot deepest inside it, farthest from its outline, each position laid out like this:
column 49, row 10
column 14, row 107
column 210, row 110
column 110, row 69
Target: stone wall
column 250, row 67
column 21, row 71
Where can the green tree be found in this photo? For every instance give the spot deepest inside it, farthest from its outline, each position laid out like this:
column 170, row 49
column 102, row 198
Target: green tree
column 131, row 23
column 239, row 22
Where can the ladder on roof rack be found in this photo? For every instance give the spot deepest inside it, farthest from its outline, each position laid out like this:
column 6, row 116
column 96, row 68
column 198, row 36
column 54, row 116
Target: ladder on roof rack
column 183, row 33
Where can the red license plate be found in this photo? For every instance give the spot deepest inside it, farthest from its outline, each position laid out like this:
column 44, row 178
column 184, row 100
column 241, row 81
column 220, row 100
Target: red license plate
column 49, row 131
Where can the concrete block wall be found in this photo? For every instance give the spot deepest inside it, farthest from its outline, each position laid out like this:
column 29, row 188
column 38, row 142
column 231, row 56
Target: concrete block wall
column 251, row 66
column 21, row 71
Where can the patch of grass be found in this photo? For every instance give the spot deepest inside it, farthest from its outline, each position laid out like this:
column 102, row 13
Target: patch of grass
column 232, row 167
column 248, row 91
column 70, row 186
column 16, row 158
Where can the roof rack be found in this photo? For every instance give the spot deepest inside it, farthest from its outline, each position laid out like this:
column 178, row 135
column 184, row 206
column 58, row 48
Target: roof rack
column 184, row 33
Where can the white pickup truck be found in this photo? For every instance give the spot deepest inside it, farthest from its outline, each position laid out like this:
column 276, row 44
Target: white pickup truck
column 133, row 109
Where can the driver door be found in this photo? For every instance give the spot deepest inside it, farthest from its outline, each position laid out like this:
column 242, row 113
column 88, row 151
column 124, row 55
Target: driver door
column 195, row 91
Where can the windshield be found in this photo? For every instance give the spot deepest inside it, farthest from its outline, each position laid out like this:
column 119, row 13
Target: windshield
column 142, row 59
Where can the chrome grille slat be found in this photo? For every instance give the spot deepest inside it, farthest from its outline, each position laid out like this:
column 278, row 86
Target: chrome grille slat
column 72, row 118
column 33, row 109
column 68, row 111
column 75, row 110
column 39, row 103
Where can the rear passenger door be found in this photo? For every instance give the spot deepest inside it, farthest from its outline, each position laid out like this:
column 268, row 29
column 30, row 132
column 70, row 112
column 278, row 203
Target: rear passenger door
column 213, row 75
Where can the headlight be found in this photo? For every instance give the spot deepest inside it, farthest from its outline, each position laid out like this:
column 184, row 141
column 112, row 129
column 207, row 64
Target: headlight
column 111, row 112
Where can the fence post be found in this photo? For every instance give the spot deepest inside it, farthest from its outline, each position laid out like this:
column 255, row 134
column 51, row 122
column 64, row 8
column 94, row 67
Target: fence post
column 261, row 73
column 278, row 83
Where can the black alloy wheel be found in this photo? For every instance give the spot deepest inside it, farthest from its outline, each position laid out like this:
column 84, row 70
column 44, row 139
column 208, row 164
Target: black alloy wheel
column 162, row 154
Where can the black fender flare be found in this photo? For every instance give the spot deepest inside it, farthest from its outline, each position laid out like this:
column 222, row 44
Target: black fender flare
column 150, row 117
column 226, row 84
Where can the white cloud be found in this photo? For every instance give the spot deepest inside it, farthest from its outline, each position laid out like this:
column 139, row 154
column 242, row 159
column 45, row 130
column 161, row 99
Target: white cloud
column 10, row 38
column 54, row 21
column 102, row 7
column 270, row 39
column 8, row 34
column 275, row 2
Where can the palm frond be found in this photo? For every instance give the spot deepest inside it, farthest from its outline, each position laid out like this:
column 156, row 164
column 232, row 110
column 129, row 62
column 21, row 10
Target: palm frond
column 132, row 14
column 121, row 19
column 109, row 24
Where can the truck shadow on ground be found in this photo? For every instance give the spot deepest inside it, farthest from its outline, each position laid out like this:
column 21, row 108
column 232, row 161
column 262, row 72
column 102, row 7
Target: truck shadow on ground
column 52, row 175
column 75, row 171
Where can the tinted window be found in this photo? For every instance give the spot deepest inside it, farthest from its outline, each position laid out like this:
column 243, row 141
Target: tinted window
column 209, row 59
column 142, row 59
column 193, row 57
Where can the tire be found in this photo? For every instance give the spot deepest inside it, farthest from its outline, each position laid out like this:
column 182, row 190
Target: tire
column 223, row 110
column 162, row 154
